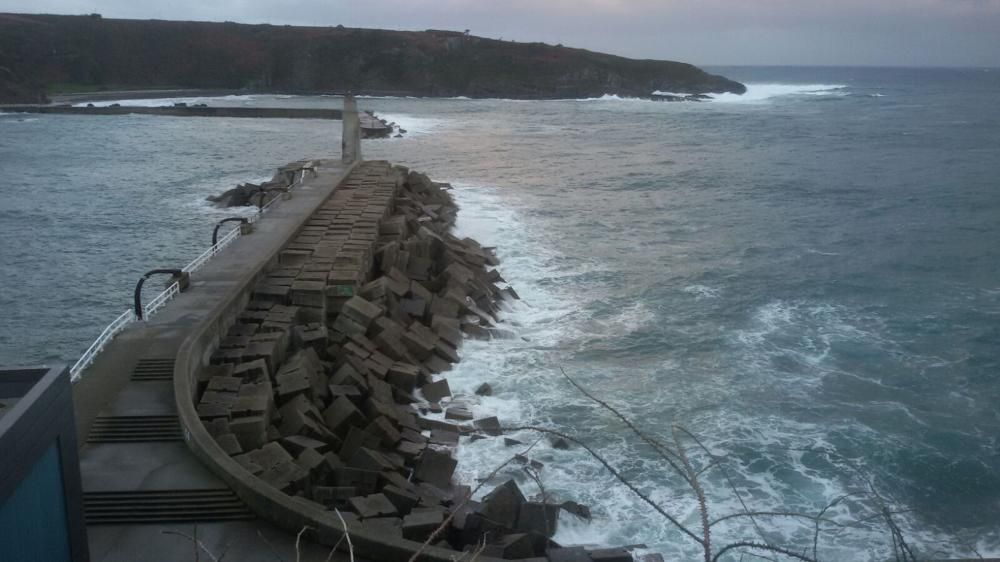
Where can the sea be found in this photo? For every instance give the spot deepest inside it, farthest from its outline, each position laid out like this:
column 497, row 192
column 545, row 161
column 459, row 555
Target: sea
column 795, row 291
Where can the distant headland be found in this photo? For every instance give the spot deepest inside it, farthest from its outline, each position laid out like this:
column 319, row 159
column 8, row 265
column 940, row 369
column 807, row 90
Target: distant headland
column 42, row 54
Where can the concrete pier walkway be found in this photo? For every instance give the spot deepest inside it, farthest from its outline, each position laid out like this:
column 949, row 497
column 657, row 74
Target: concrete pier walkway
column 146, row 496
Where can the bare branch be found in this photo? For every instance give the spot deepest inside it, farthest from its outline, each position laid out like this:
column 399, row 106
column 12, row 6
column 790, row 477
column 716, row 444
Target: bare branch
column 298, row 539
column 706, row 529
column 665, row 452
column 347, row 534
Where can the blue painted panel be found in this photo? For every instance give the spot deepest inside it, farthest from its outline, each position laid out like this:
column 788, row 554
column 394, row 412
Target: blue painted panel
column 33, row 519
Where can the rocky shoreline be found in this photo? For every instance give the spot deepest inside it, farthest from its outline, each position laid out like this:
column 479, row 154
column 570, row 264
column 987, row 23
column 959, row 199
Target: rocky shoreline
column 329, row 385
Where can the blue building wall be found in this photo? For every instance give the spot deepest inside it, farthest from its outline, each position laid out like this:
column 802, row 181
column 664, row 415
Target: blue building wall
column 33, row 520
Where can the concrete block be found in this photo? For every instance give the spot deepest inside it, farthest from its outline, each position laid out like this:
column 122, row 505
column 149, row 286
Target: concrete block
column 361, row 311
column 270, row 455
column 252, row 405
column 417, row 343
column 389, row 527
column 415, row 307
column 444, row 438
column 342, row 414
column 518, row 546
column 419, row 525
column 435, row 391
column 448, row 329
column 385, row 430
column 230, row 444
column 374, row 505
column 568, row 554
column 288, row 477
column 489, row 426
column 246, row 461
column 435, row 467
column 459, row 413
column 250, row 431
column 610, row 555
column 410, row 450
column 435, row 364
column 444, row 307
column 350, row 391
column 252, row 371
column 503, row 504
column 312, row 461
column 298, row 416
column 345, row 325
column 355, row 440
column 401, row 498
column 370, row 459
column 537, row 517
column 292, row 382
column 213, row 411
column 333, row 496
column 403, row 376
column 364, row 481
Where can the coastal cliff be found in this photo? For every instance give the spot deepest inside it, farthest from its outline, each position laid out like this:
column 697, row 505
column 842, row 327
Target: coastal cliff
column 60, row 53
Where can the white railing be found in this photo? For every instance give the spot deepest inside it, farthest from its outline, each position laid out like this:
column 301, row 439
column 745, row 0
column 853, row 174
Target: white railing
column 119, row 324
column 160, row 300
column 208, row 254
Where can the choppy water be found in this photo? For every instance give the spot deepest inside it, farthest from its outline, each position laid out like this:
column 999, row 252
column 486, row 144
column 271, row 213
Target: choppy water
column 808, row 278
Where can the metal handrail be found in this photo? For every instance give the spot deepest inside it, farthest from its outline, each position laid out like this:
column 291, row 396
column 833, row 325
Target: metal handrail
column 116, row 326
column 159, row 301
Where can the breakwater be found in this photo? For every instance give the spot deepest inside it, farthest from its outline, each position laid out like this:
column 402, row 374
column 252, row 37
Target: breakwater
column 323, row 400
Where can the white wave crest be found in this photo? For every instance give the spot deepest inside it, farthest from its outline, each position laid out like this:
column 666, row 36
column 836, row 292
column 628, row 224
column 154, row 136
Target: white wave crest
column 413, row 125
column 164, row 102
column 764, row 92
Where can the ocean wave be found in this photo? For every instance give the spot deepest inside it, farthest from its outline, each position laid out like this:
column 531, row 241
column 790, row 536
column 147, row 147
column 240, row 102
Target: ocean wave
column 166, row 102
column 760, row 92
column 414, row 125
column 702, row 292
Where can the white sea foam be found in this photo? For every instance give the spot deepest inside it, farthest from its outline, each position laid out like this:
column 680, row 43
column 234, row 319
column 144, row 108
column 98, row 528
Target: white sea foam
column 761, row 92
column 527, row 385
column 702, row 292
column 414, row 125
column 166, row 102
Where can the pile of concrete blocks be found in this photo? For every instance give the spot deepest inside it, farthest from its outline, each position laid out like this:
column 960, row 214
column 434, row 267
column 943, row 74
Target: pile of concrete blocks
column 323, row 387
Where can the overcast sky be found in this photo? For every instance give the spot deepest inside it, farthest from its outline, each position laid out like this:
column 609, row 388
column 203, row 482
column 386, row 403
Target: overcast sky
column 705, row 32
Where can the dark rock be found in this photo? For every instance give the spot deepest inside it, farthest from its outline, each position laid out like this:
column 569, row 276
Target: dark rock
column 419, row 525
column 402, row 499
column 568, row 554
column 540, row 518
column 503, row 504
column 460, row 413
column 610, row 555
column 491, row 426
column 559, row 443
column 577, row 509
column 484, row 390
column 435, row 467
column 435, row 391
column 375, row 505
